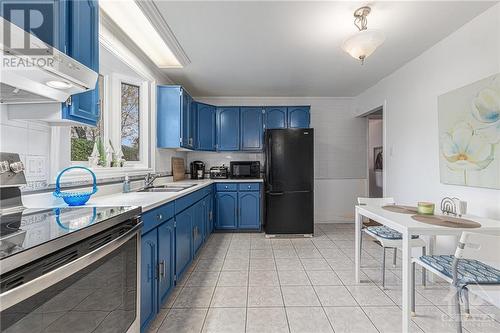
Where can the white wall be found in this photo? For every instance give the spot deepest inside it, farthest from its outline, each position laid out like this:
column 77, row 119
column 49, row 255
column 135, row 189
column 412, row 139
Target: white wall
column 410, row 113
column 339, row 147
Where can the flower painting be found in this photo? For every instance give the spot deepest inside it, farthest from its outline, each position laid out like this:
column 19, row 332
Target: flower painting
column 469, row 134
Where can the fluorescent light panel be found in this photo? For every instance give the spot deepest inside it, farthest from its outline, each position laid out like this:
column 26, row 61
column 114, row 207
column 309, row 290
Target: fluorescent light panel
column 131, row 19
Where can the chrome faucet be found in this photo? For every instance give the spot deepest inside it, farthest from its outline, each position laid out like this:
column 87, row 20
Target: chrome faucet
column 149, row 179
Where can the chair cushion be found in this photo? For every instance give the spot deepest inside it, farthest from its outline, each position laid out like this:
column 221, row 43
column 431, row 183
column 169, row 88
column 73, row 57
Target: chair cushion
column 469, row 270
column 386, row 232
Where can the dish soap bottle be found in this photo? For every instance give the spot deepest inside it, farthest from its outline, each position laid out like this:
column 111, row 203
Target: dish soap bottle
column 126, row 184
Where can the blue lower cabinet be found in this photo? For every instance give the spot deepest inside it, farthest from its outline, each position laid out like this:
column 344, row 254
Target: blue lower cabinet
column 226, row 210
column 166, row 243
column 198, row 225
column 211, row 215
column 238, row 206
column 249, row 210
column 149, row 287
column 183, row 240
column 299, row 117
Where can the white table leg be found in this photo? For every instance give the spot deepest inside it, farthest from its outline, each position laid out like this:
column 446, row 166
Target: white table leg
column 406, row 282
column 431, row 247
column 358, row 220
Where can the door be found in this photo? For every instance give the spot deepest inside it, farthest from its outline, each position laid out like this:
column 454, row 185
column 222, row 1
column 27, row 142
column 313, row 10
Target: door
column 226, row 207
column 166, row 243
column 206, row 127
column 251, row 127
column 193, row 122
column 198, row 225
column 228, row 128
column 289, row 160
column 148, row 278
column 249, row 210
column 276, row 117
column 298, row 117
column 83, row 46
column 183, row 240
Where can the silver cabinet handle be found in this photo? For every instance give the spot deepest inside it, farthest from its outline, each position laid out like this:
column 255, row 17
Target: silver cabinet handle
column 159, row 216
column 162, row 269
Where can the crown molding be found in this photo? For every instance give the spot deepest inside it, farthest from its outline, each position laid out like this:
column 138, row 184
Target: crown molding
column 113, row 33
column 158, row 21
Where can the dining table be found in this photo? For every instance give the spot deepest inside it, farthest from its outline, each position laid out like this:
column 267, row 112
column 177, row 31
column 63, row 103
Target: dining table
column 408, row 226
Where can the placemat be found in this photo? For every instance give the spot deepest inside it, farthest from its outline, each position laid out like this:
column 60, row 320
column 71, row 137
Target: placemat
column 446, row 221
column 401, row 209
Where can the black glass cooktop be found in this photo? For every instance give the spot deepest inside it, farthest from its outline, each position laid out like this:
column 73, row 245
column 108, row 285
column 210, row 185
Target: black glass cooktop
column 33, row 227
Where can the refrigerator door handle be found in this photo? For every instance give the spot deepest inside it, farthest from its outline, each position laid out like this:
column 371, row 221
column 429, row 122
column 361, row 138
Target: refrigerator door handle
column 273, row 194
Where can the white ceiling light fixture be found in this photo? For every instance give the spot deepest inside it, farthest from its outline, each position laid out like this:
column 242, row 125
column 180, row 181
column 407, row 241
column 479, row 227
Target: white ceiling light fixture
column 365, row 41
column 131, row 19
column 59, row 84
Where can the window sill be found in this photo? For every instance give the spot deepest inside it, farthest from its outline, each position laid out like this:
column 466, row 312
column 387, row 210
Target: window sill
column 81, row 177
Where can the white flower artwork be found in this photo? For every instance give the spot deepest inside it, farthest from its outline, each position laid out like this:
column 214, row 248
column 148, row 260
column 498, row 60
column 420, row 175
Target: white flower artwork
column 469, row 134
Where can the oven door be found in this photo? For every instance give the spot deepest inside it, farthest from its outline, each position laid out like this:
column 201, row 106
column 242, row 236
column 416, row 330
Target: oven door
column 98, row 292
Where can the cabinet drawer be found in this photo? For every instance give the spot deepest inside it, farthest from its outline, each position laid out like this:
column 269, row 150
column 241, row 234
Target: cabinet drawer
column 249, row 186
column 155, row 217
column 226, row 187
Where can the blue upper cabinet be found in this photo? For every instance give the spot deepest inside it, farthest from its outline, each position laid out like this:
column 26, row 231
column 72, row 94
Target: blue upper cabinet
column 83, row 45
column 276, row 117
column 228, row 128
column 299, row 117
column 251, row 128
column 205, row 136
column 174, row 110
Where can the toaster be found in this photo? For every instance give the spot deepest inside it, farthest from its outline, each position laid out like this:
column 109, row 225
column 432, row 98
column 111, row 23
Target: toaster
column 219, row 172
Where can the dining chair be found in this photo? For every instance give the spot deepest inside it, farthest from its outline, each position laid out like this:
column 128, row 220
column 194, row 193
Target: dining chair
column 388, row 238
column 464, row 272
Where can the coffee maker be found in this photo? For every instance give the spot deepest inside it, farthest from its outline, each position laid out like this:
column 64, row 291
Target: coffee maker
column 197, row 170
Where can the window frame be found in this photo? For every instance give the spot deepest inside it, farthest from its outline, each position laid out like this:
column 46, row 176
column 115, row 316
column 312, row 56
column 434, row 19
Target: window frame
column 117, row 80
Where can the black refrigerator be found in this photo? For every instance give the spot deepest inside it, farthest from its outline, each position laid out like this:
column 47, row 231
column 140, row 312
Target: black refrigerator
column 289, row 181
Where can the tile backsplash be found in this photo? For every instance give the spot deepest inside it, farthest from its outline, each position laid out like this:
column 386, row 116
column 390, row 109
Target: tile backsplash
column 31, row 140
column 219, row 158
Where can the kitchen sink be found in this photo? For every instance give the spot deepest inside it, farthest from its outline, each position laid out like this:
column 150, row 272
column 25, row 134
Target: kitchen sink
column 168, row 188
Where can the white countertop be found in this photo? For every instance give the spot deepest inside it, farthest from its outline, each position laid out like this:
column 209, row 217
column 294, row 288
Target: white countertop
column 150, row 200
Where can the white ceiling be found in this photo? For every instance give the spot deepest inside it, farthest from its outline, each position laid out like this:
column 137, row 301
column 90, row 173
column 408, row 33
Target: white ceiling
column 294, row 48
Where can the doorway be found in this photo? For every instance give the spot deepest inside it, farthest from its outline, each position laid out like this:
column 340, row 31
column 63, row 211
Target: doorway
column 375, row 153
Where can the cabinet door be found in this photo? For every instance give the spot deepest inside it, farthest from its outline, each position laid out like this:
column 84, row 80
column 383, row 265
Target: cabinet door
column 251, row 127
column 228, row 128
column 206, row 127
column 198, row 225
column 183, row 240
column 226, row 207
column 166, row 242
column 148, row 278
column 276, row 117
column 185, row 116
column 210, row 219
column 83, row 45
column 249, row 210
column 298, row 117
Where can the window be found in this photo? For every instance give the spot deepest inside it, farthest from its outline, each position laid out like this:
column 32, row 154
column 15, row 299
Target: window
column 83, row 138
column 130, row 122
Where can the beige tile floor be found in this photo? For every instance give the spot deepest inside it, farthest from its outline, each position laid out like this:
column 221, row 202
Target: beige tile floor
column 247, row 283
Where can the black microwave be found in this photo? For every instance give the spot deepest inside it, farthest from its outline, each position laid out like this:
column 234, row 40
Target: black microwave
column 245, row 169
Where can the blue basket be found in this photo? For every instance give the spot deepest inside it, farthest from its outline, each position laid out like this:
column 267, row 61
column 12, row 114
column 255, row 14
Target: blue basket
column 75, row 198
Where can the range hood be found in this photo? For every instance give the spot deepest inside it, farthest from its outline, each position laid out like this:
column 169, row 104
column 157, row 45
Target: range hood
column 51, row 77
